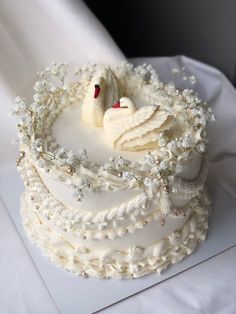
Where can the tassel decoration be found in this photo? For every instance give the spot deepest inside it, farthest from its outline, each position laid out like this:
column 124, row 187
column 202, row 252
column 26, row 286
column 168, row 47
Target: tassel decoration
column 165, row 201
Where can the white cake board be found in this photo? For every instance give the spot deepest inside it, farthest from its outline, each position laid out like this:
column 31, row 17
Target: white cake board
column 76, row 295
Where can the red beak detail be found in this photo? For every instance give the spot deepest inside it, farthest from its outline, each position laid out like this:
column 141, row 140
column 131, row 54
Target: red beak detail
column 116, row 105
column 96, row 91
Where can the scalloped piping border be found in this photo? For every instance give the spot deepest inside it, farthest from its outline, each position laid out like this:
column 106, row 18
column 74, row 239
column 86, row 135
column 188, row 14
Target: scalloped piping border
column 133, row 263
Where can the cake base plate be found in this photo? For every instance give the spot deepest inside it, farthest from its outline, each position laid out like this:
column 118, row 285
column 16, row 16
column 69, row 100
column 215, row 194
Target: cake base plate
column 74, row 294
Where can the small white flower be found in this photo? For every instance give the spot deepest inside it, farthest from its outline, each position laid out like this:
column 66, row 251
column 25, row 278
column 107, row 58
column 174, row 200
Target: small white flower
column 183, row 105
column 172, row 145
column 162, row 141
column 195, row 112
column 39, row 110
column 61, row 152
column 38, row 145
column 77, row 194
column 83, row 183
column 41, row 163
column 18, row 99
column 147, row 181
column 155, row 170
column 127, row 175
column 151, row 184
column 202, row 147
column 108, row 166
column 187, row 92
column 163, row 165
column 41, row 86
column 150, row 159
column 192, row 79
column 82, row 154
column 175, row 70
column 21, row 105
column 37, row 97
column 187, row 141
column 212, row 118
column 71, row 158
column 111, row 159
column 122, row 162
column 170, row 88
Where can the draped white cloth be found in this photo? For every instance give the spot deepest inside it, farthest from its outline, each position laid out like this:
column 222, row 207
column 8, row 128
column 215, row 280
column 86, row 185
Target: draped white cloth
column 32, row 34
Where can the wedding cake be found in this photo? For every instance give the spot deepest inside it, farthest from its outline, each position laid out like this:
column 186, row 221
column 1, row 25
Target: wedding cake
column 114, row 166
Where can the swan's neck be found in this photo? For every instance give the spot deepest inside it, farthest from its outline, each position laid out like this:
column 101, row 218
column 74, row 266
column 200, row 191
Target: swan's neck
column 131, row 109
column 93, row 109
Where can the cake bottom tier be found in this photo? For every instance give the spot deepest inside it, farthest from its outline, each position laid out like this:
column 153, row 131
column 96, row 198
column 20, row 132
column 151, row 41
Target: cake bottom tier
column 134, row 262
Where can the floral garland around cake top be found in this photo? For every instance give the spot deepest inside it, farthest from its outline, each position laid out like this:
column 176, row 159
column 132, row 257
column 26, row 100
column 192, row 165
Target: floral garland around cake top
column 53, row 93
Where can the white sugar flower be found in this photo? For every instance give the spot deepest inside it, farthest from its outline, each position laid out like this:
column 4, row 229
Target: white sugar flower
column 77, row 194
column 201, row 147
column 111, row 159
column 187, row 141
column 61, row 156
column 41, row 86
column 170, row 88
column 155, row 170
column 150, row 159
column 21, row 106
column 128, row 176
column 18, row 99
column 212, row 117
column 71, row 158
column 163, row 165
column 38, row 145
column 61, row 152
column 151, row 184
column 183, row 105
column 195, row 112
column 172, row 145
column 83, row 183
column 108, row 166
column 41, row 163
column 60, row 70
column 162, row 141
column 82, row 154
column 122, row 162
column 39, row 110
column 37, row 97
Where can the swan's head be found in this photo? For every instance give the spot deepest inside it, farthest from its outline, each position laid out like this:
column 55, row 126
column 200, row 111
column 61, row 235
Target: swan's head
column 98, row 84
column 93, row 106
column 125, row 103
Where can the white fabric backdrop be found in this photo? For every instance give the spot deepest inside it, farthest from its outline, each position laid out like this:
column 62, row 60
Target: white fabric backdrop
column 32, row 34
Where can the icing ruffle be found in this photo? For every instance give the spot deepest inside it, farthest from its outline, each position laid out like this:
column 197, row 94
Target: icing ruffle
column 133, row 263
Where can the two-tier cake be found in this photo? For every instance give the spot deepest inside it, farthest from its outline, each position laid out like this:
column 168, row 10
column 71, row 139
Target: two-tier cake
column 114, row 166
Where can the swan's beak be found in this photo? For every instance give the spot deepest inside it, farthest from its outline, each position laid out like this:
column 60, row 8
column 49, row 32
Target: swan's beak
column 96, row 91
column 116, row 105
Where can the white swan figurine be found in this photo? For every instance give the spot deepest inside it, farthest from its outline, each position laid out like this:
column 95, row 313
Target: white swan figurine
column 130, row 128
column 101, row 94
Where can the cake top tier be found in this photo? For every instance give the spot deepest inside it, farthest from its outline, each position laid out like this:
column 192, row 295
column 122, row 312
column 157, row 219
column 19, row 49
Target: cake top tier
column 149, row 127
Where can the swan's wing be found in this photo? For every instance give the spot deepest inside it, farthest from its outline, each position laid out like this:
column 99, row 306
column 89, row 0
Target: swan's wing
column 120, row 123
column 147, row 141
column 116, row 123
column 112, row 90
column 156, row 123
